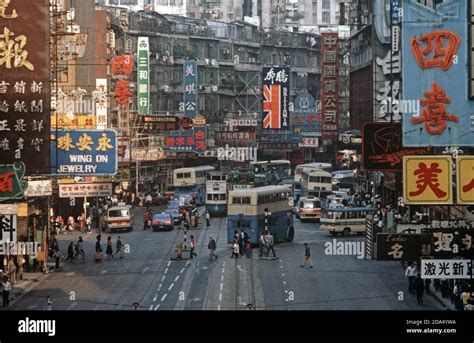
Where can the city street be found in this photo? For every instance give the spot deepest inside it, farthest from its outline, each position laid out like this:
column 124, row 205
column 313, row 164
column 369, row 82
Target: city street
column 149, row 278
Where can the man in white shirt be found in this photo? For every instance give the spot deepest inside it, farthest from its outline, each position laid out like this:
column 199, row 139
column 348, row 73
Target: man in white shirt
column 410, row 274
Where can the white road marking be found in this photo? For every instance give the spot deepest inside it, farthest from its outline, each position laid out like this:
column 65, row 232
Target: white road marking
column 151, row 308
column 103, row 272
column 223, row 264
column 218, row 307
column 169, row 263
column 220, row 296
column 164, row 297
column 70, row 274
column 166, row 270
column 159, row 286
column 240, row 268
column 154, row 299
column 176, row 278
column 187, row 263
column 222, row 278
column 163, row 278
column 284, row 282
column 31, row 307
column 281, row 267
column 221, row 286
column 145, row 269
column 171, row 286
column 282, row 274
column 74, row 304
column 182, row 270
column 156, row 307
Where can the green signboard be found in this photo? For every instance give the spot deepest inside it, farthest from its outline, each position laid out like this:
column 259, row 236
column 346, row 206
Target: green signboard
column 143, row 76
column 11, row 184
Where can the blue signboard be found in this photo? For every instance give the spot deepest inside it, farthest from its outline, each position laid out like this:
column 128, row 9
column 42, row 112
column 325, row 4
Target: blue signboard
column 84, row 152
column 435, row 106
column 282, row 137
column 395, row 11
column 190, row 88
column 304, row 118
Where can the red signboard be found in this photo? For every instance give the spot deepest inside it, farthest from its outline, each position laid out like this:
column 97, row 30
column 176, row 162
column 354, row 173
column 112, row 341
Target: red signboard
column 330, row 84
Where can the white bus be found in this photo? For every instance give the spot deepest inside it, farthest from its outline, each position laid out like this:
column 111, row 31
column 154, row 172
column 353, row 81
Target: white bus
column 216, row 191
column 317, row 183
column 246, row 210
column 191, row 181
column 310, row 166
column 345, row 220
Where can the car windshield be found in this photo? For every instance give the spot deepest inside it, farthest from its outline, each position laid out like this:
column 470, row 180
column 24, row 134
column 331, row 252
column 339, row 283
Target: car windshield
column 118, row 213
column 161, row 217
column 311, row 204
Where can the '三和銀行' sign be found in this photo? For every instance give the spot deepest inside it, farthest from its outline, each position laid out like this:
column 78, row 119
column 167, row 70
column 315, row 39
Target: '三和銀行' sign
column 84, row 152
column 143, row 76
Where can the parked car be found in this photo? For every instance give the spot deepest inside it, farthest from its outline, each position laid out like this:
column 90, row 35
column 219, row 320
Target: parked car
column 162, row 221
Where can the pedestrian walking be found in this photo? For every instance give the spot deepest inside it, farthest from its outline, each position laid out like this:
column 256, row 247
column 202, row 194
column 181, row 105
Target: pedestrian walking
column 98, row 250
column 248, row 249
column 410, row 274
column 49, row 304
column 262, row 243
column 419, row 287
column 119, row 247
column 212, row 249
column 109, row 249
column 57, row 259
column 270, row 241
column 80, row 250
column 307, row 256
column 147, row 219
column 427, row 286
column 208, row 219
column 192, row 254
column 235, row 249
column 6, row 288
column 70, row 252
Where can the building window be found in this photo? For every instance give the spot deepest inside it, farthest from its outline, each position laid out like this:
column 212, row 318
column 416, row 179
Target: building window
column 326, row 5
column 326, row 17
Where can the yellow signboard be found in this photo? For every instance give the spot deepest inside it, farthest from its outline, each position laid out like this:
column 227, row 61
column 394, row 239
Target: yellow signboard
column 22, row 209
column 427, row 180
column 465, row 180
column 77, row 122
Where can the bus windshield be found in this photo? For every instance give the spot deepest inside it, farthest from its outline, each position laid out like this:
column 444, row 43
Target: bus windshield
column 309, row 204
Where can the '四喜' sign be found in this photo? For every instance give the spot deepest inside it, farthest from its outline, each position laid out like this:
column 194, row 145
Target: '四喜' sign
column 84, row 152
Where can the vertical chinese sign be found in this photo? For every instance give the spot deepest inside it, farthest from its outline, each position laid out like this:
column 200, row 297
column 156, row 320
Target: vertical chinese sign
column 101, row 103
column 190, row 88
column 427, row 180
column 24, row 84
column 276, row 97
column 465, row 180
column 434, row 75
column 330, row 85
column 143, row 76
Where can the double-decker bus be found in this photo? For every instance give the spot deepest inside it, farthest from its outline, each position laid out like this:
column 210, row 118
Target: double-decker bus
column 310, row 167
column 191, row 182
column 271, row 172
column 216, row 192
column 345, row 220
column 247, row 207
column 316, row 183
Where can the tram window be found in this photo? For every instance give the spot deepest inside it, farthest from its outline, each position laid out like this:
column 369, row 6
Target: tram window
column 179, row 175
column 246, row 200
column 187, row 175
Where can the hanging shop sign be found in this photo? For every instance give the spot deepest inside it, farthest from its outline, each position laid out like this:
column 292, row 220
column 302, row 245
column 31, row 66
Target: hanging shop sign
column 398, row 247
column 446, row 269
column 190, row 95
column 12, row 185
column 143, row 76
column 148, row 154
column 84, row 152
column 276, row 97
column 193, row 140
column 85, row 190
column 25, row 93
column 465, row 180
column 39, row 188
column 330, row 85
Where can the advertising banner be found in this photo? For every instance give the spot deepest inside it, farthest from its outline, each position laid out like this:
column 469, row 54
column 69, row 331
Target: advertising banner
column 143, row 77
column 330, row 85
column 190, row 88
column 276, row 97
column 85, row 190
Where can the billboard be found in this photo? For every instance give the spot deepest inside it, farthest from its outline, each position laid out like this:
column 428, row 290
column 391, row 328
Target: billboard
column 305, row 118
column 39, row 188
column 193, row 140
column 446, row 269
column 12, row 185
column 25, row 93
column 190, row 88
column 398, row 247
column 434, row 75
column 85, row 190
column 276, row 97
column 101, row 104
column 330, row 85
column 427, row 180
column 143, row 76
column 84, row 152
column 465, row 180
column 382, row 147
column 448, row 242
column 74, row 122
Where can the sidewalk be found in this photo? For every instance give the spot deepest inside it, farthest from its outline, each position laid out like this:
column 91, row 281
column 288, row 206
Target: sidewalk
column 445, row 301
column 20, row 288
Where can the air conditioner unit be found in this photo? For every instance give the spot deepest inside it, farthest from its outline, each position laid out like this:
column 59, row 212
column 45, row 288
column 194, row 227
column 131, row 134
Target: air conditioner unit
column 201, row 87
column 252, row 60
column 213, row 62
column 164, row 88
column 214, row 88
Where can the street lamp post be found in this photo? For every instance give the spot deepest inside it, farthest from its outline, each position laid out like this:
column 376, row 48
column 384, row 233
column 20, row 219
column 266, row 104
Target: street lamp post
column 267, row 215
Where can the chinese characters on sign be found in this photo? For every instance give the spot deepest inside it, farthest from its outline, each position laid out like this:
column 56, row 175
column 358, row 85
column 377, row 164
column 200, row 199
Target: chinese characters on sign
column 143, row 77
column 77, row 122
column 39, row 188
column 122, row 65
column 304, row 118
column 465, row 180
column 84, row 152
column 24, row 84
column 448, row 242
column 446, row 269
column 330, row 85
column 427, row 180
column 190, row 88
column 276, row 97
column 85, row 189
column 193, row 140
column 11, row 184
column 7, row 228
column 100, row 95
column 161, row 123
column 435, row 77
column 398, row 247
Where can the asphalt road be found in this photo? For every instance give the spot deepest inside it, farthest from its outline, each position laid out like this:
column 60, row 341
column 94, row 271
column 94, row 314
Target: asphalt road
column 148, row 276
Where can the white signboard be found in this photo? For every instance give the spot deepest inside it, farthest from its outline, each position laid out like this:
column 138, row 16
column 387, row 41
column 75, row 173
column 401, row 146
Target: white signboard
column 101, row 103
column 446, row 269
column 148, row 154
column 85, row 189
column 39, row 188
column 8, row 209
column 309, row 142
column 19, row 248
column 7, row 228
column 248, row 122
